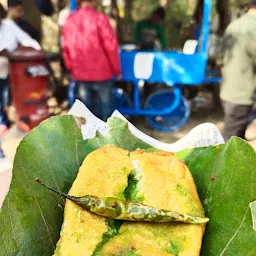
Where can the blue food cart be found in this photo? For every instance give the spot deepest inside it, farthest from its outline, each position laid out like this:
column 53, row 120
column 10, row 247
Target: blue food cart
column 165, row 110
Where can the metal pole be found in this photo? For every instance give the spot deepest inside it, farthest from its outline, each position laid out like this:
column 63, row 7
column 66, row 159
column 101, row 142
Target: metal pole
column 206, row 25
column 73, row 5
column 136, row 96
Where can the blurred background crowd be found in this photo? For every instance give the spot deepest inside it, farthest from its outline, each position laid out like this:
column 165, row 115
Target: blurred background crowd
column 70, row 45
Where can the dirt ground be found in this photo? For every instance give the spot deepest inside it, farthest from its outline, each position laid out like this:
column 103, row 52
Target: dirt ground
column 199, row 115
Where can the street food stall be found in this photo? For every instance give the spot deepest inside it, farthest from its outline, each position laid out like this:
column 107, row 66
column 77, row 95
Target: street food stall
column 165, row 110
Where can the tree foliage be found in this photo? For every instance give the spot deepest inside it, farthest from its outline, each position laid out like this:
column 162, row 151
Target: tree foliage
column 179, row 13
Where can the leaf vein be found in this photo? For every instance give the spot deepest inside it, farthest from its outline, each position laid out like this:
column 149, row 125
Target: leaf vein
column 55, row 181
column 77, row 158
column 15, row 240
column 235, row 234
column 48, row 230
column 41, row 213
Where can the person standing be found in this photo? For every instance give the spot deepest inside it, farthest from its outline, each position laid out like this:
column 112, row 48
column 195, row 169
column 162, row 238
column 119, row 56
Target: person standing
column 16, row 13
column 239, row 73
column 4, row 123
column 90, row 51
column 149, row 32
column 10, row 37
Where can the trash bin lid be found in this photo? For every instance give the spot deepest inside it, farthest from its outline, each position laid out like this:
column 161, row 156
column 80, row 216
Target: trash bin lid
column 27, row 54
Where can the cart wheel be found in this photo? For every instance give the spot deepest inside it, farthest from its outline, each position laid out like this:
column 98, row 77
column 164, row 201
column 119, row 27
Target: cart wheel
column 121, row 99
column 175, row 120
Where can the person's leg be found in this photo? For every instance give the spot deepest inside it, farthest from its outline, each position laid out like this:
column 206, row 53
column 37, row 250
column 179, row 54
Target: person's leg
column 72, row 92
column 85, row 93
column 236, row 120
column 1, row 93
column 3, row 101
column 105, row 99
column 6, row 93
column 3, row 118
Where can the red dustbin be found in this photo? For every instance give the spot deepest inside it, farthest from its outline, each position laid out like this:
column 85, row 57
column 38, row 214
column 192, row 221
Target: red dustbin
column 29, row 82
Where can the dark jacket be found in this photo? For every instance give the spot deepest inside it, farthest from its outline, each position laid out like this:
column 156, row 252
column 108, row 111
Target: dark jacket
column 45, row 7
column 29, row 29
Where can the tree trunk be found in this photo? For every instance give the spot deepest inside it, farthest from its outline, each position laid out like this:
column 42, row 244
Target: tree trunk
column 198, row 14
column 222, row 7
column 61, row 4
column 114, row 10
column 128, row 10
column 32, row 15
column 116, row 16
column 127, row 23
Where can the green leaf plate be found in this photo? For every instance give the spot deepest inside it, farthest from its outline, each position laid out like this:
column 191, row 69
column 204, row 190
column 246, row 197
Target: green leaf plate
column 30, row 219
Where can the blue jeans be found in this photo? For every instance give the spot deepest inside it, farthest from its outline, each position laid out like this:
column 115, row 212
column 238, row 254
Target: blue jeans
column 4, row 89
column 72, row 93
column 98, row 97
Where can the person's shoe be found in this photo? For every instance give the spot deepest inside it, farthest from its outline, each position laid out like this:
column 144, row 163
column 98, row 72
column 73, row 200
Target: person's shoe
column 3, row 129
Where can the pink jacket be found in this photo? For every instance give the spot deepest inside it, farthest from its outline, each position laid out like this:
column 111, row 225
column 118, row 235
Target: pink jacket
column 90, row 46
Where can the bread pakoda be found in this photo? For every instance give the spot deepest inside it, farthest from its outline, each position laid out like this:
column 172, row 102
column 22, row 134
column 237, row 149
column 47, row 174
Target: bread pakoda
column 154, row 179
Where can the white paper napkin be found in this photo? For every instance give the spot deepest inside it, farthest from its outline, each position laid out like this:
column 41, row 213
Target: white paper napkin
column 203, row 135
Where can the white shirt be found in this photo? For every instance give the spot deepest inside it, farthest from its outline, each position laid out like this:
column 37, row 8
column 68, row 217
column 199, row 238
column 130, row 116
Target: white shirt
column 10, row 37
column 64, row 13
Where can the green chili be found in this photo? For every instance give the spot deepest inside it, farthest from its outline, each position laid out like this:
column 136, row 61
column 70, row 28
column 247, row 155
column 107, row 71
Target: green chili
column 125, row 210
